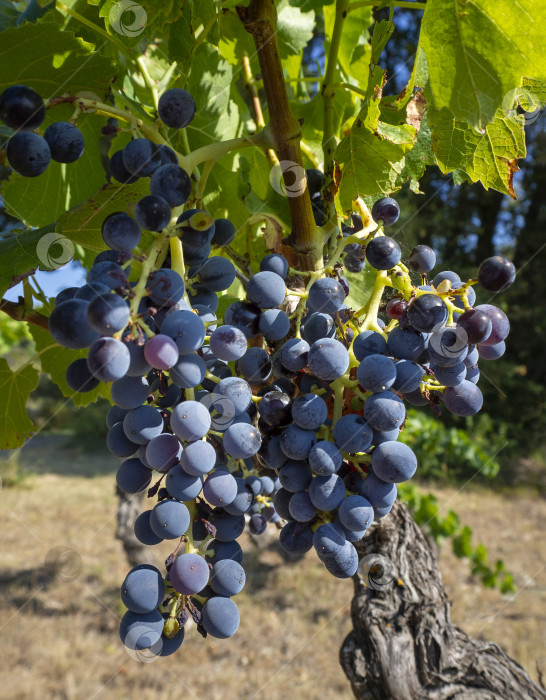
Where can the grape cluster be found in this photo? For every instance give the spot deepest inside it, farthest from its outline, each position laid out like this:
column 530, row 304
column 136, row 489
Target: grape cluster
column 28, row 153
column 276, row 412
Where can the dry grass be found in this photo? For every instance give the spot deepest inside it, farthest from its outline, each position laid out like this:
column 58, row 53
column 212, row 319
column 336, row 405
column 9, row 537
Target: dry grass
column 59, row 638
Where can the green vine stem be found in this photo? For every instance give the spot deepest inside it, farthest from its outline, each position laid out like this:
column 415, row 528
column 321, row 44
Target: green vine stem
column 328, row 135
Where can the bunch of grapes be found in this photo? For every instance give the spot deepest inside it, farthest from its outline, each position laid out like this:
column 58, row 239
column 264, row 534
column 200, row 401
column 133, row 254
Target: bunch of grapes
column 261, row 416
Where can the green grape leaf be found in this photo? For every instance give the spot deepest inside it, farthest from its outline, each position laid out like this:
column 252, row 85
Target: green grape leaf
column 82, row 225
column 19, row 255
column 371, row 161
column 55, row 359
column 217, row 115
column 490, row 157
column 62, row 185
column 181, row 41
column 294, row 29
column 418, row 158
column 52, row 61
column 479, row 50
column 8, row 15
column 15, row 388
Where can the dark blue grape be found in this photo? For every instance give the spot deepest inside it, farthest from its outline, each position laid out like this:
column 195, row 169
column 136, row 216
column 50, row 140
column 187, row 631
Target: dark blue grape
column 176, row 108
column 118, row 170
column 181, row 485
column 422, row 259
column 325, row 458
column 394, row 462
column 356, row 513
column 369, row 343
column 465, row 399
column 376, row 373
column 143, row 589
column 328, row 359
column 220, row 617
column 121, row 232
column 296, row 537
column 242, row 441
column 294, row 354
column 79, row 378
column 275, row 263
column 132, row 476
column 327, row 492
column 227, row 577
column 405, row 343
column 118, row 443
column 386, row 211
column 383, row 253
column 153, row 212
column 141, row 157
column 65, row 142
column 384, row 411
column 108, row 314
column 28, row 154
column 228, row 343
column 172, row 183
column 170, row 519
column 352, row 433
column 21, row 108
column 326, row 295
column 165, row 286
column 142, row 424
column 190, row 421
column 499, row 321
column 108, row 359
column 496, row 274
column 141, row 631
column 295, row 476
column 379, row 493
column 301, row 508
column 266, row 289
column 143, row 530
column 224, row 232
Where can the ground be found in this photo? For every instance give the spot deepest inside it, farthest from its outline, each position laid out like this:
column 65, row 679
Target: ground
column 59, row 632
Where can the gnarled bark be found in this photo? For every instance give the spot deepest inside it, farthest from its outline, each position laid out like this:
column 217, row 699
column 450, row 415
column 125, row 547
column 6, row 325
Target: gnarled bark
column 404, row 645
column 129, row 508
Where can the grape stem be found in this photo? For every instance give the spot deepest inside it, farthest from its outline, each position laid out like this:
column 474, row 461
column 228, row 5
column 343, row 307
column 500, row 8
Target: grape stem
column 337, row 386
column 18, row 312
column 371, row 307
column 328, row 134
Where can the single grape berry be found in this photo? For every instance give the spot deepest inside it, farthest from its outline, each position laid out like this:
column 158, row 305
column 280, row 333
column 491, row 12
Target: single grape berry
column 28, row 154
column 476, row 324
column 422, row 259
column 65, row 142
column 496, row 274
column 21, row 108
column 426, row 312
column 383, row 253
column 395, row 308
column 386, row 211
column 176, row 108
